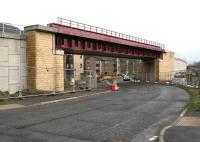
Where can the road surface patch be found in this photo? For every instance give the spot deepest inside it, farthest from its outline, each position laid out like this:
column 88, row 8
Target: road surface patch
column 188, row 121
column 10, row 106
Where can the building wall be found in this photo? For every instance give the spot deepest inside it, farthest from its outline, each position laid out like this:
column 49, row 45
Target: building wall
column 111, row 66
column 128, row 66
column 167, row 66
column 12, row 63
column 107, row 67
column 101, row 65
column 98, row 67
column 180, row 65
column 46, row 64
column 78, row 66
column 90, row 63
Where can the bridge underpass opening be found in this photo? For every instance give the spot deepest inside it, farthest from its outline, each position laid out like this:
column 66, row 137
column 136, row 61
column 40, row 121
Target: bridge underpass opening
column 48, row 46
column 112, row 67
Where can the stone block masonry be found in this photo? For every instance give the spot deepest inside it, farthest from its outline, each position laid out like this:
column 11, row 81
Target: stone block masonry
column 149, row 71
column 45, row 67
column 167, row 66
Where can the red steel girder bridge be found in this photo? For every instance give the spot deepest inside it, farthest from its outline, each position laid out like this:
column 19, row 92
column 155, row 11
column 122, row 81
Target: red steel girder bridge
column 78, row 38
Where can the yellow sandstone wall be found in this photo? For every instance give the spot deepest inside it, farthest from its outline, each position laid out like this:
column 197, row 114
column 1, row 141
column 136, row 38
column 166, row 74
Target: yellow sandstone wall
column 45, row 69
column 167, row 66
column 149, row 71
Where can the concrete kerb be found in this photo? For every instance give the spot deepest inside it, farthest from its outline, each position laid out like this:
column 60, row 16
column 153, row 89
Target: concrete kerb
column 61, row 100
column 162, row 133
column 39, row 95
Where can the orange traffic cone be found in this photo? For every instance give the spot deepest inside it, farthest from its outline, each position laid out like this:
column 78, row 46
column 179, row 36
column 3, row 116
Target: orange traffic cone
column 114, row 86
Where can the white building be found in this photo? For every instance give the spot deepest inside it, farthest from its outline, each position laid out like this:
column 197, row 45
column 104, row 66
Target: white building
column 180, row 65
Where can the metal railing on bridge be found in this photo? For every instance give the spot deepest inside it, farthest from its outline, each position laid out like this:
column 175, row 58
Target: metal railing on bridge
column 86, row 27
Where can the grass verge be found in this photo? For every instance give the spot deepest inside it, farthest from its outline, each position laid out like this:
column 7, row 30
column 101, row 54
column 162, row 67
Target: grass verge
column 194, row 104
column 6, row 94
column 34, row 92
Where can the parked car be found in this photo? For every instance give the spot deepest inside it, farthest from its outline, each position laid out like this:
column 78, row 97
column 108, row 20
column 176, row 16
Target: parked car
column 126, row 78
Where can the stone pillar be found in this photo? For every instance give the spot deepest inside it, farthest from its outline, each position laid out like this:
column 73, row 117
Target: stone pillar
column 131, row 66
column 118, row 66
column 45, row 63
column 149, row 70
column 127, row 66
column 167, row 66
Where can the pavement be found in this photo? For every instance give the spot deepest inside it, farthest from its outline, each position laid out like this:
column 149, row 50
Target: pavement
column 186, row 129
column 135, row 113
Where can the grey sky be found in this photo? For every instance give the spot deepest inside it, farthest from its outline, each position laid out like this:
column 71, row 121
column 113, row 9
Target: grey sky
column 175, row 23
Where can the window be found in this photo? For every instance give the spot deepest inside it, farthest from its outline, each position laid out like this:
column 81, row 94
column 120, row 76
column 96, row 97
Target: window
column 81, row 65
column 81, row 56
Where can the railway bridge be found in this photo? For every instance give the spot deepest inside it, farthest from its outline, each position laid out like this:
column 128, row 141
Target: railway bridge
column 47, row 46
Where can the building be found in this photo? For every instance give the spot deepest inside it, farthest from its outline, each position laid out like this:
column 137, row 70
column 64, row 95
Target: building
column 107, row 66
column 193, row 75
column 172, row 68
column 78, row 66
column 73, row 68
column 102, row 66
column 180, row 65
column 78, row 62
column 92, row 64
column 167, row 66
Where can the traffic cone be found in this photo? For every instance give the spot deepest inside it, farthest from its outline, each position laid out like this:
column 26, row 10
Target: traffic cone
column 114, row 86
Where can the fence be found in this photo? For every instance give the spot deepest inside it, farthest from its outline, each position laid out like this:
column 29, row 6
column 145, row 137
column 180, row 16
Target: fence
column 53, row 80
column 175, row 77
column 30, row 80
column 11, row 28
column 95, row 29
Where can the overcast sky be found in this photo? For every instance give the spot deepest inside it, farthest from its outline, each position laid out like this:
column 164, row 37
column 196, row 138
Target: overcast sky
column 176, row 23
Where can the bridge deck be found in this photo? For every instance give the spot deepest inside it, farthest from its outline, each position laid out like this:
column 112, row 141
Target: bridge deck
column 74, row 37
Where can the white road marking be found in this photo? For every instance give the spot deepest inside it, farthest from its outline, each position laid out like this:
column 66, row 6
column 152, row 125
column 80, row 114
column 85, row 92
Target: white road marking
column 153, row 138
column 73, row 98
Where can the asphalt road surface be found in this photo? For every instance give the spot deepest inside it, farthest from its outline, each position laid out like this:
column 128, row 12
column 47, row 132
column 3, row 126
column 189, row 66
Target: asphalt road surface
column 136, row 113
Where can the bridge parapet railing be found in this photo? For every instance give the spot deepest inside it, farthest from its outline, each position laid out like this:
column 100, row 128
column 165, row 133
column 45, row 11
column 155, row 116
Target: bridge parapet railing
column 99, row 30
